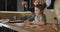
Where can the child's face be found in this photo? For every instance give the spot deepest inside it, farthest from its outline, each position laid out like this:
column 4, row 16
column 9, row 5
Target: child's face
column 37, row 11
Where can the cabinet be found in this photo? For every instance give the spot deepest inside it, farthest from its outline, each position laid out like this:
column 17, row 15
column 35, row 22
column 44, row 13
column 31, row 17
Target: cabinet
column 8, row 5
column 2, row 5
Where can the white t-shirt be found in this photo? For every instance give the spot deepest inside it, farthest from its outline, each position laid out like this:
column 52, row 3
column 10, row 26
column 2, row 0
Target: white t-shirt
column 38, row 19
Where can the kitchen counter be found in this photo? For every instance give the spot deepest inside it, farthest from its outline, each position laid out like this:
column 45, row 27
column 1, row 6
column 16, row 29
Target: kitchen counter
column 12, row 26
column 17, row 27
column 15, row 12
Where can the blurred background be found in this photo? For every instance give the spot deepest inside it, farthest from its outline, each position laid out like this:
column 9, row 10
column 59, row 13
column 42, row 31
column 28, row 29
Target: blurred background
column 16, row 5
column 16, row 8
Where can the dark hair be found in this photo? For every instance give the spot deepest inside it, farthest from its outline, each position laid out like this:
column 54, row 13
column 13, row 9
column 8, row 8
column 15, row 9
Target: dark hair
column 41, row 6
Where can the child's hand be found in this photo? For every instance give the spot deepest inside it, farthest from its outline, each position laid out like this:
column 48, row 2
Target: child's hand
column 26, row 22
column 41, row 24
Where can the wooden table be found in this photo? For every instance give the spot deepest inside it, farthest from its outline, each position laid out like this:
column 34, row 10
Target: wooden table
column 47, row 28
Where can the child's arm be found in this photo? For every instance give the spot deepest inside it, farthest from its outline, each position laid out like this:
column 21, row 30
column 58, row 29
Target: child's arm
column 44, row 19
column 31, row 18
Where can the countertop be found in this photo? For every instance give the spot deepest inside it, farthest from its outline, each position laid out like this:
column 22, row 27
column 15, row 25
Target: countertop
column 12, row 26
column 15, row 12
column 17, row 27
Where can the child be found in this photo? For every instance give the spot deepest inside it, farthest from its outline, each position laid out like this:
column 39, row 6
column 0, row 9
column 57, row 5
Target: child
column 38, row 18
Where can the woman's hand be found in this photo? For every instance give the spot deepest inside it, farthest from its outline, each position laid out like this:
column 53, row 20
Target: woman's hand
column 39, row 2
column 36, row 2
column 24, row 3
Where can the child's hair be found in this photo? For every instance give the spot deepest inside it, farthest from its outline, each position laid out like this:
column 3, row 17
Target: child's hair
column 41, row 6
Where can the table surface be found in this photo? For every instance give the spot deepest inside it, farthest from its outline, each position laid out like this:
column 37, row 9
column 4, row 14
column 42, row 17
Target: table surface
column 47, row 28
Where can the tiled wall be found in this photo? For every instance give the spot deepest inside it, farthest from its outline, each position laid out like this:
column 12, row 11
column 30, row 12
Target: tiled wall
column 54, row 12
column 57, row 9
column 50, row 15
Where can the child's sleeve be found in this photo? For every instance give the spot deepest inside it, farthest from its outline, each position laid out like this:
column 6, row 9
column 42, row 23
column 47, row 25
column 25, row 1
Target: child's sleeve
column 31, row 18
column 24, row 18
column 44, row 18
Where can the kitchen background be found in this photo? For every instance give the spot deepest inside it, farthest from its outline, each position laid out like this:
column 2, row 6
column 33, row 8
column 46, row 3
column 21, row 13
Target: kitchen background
column 15, row 5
